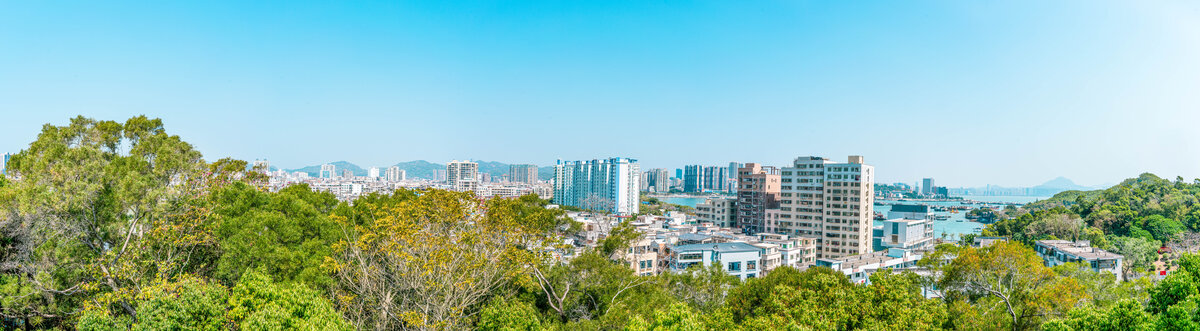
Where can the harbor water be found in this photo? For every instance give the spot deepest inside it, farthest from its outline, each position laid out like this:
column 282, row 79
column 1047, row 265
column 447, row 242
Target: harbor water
column 951, row 228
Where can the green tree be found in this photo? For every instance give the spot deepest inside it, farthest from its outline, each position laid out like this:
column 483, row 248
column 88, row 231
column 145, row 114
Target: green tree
column 1024, row 289
column 1125, row 315
column 258, row 303
column 508, row 315
column 102, row 209
column 289, row 233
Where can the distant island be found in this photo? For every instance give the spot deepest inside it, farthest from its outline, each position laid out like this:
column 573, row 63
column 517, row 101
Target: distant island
column 1049, row 188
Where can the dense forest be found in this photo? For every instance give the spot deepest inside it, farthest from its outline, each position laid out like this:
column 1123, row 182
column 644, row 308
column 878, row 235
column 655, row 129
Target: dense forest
column 107, row 225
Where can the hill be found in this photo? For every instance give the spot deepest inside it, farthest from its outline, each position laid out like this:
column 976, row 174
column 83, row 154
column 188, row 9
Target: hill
column 315, row 170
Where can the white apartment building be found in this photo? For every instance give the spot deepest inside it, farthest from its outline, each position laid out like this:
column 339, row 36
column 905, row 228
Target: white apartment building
column 395, row 174
column 860, row 267
column 373, row 172
column 907, row 233
column 462, row 176
column 609, row 185
column 328, row 171
column 796, row 252
column 1056, row 252
column 718, row 211
column 737, row 259
column 830, row 201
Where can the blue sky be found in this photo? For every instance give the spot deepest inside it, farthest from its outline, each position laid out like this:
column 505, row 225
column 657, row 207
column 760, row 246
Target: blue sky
column 969, row 92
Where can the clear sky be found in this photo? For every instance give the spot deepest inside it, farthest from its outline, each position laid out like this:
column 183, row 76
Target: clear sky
column 969, row 92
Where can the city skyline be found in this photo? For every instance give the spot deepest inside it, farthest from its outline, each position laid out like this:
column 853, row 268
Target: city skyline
column 1009, row 94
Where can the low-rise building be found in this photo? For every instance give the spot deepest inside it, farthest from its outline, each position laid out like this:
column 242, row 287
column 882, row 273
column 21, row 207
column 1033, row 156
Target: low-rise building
column 1056, row 252
column 643, row 257
column 736, row 258
column 796, row 251
column 986, row 241
column 860, row 267
column 769, row 256
column 911, row 234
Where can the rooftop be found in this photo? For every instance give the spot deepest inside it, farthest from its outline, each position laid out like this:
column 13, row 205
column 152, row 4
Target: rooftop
column 720, row 247
column 879, row 257
column 910, row 208
column 905, row 220
column 1081, row 249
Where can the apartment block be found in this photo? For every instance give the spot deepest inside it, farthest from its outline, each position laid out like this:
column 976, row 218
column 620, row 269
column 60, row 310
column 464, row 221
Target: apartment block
column 736, row 258
column 606, row 185
column 395, row 174
column 693, row 179
column 758, row 190
column 328, row 171
column 463, row 176
column 716, row 179
column 1056, row 252
column 720, row 212
column 523, row 173
column 830, row 201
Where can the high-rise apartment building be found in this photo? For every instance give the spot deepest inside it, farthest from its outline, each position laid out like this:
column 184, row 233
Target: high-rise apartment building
column 733, row 175
column 347, row 173
column 606, row 185
column 4, row 165
column 693, row 178
column 716, row 179
column 395, row 174
column 523, row 173
column 373, row 172
column 328, row 171
column 831, row 201
column 439, row 175
column 644, row 185
column 927, row 187
column 660, row 180
column 758, row 190
column 462, row 175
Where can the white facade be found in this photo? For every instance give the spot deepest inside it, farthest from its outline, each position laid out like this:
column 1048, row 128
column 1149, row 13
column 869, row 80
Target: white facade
column 395, row 174
column 830, row 201
column 462, row 176
column 860, row 267
column 737, row 259
column 1056, row 252
column 328, row 171
column 610, row 185
column 907, row 233
column 373, row 172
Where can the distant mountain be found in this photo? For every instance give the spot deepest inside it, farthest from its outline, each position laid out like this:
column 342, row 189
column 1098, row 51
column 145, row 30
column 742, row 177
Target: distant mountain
column 1049, row 188
column 1055, row 186
column 315, row 170
column 420, row 168
column 1061, row 183
column 424, row 169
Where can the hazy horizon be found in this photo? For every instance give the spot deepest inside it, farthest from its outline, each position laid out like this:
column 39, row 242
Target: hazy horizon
column 969, row 93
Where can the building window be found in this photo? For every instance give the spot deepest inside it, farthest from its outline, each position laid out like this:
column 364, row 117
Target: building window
column 751, row 265
column 735, row 266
